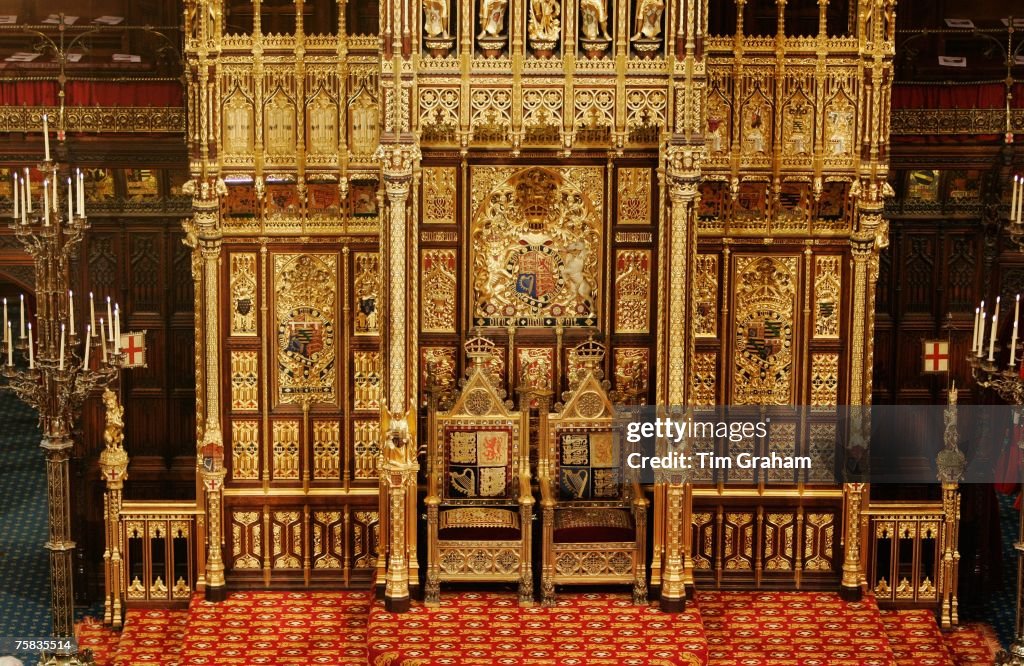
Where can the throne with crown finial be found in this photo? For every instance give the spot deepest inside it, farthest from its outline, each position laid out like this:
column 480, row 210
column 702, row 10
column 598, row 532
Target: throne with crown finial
column 479, row 501
column 594, row 513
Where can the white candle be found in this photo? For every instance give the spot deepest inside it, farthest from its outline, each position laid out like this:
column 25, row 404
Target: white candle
column 14, row 195
column 28, row 189
column 23, row 316
column 62, row 333
column 103, row 340
column 110, row 321
column 1013, row 347
column 71, row 310
column 992, row 337
column 5, row 319
column 24, row 219
column 92, row 314
column 53, row 197
column 85, row 354
column 10, row 345
column 81, row 194
column 981, row 340
column 46, row 138
column 46, row 202
column 71, row 214
column 977, row 320
column 1020, row 199
column 117, row 328
column 31, row 354
column 1013, row 201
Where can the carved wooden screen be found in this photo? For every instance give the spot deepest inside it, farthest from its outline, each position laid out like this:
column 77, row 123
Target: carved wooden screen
column 541, row 256
column 303, row 396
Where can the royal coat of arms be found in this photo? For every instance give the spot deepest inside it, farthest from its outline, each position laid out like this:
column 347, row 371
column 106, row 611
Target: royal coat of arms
column 306, row 295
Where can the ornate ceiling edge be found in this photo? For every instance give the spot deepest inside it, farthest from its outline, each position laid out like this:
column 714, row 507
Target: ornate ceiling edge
column 105, row 119
column 954, row 121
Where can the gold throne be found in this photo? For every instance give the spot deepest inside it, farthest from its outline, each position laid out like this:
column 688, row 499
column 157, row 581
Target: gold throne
column 594, row 512
column 479, row 502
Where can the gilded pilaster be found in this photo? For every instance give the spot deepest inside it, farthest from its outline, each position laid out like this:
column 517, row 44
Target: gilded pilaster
column 113, row 464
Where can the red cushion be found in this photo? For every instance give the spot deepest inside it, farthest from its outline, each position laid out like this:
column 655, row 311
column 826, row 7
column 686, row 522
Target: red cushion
column 478, row 534
column 593, row 526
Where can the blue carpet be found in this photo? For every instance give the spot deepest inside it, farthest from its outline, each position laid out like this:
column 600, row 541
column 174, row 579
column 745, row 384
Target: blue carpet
column 1000, row 611
column 24, row 575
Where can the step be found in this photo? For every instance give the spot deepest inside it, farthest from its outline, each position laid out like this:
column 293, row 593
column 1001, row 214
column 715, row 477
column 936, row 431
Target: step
column 915, row 638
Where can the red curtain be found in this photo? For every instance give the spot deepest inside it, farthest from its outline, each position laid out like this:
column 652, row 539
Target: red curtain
column 28, row 93
column 131, row 93
column 982, row 96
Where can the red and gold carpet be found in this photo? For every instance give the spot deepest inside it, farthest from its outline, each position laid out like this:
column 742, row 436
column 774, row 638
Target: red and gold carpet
column 93, row 635
column 278, row 628
column 972, row 644
column 792, row 629
column 152, row 637
column 476, row 629
column 915, row 638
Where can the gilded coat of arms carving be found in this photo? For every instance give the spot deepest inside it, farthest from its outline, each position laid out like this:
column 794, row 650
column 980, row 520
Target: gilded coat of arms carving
column 536, row 243
column 305, row 285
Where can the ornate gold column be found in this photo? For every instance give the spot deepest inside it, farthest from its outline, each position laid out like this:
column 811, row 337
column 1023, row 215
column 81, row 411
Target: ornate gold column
column 114, row 469
column 682, row 175
column 210, row 453
column 398, row 163
column 398, row 469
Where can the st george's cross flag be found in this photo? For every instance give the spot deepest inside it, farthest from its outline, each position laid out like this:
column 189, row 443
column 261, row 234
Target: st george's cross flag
column 936, row 356
column 133, row 346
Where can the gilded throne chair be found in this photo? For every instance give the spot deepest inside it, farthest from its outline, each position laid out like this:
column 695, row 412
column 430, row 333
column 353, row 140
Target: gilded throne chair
column 593, row 510
column 479, row 501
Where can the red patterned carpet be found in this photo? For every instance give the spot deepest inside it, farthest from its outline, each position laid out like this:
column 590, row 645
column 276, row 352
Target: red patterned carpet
column 278, row 628
column 792, row 628
column 474, row 629
column 490, row 628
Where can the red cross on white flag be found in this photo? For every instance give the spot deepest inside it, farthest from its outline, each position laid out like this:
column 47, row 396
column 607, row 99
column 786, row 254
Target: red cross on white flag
column 133, row 346
column 936, row 356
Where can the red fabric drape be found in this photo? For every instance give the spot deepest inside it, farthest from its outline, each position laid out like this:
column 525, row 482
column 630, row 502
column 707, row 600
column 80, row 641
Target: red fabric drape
column 131, row 93
column 982, row 96
column 28, row 93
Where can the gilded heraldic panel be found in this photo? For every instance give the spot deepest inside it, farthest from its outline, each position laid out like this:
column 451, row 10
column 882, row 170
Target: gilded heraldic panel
column 765, row 304
column 536, row 246
column 366, row 290
column 243, row 293
column 827, row 292
column 439, row 195
column 634, row 193
column 306, row 296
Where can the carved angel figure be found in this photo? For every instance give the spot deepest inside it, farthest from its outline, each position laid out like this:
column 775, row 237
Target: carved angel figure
column 544, row 24
column 648, row 19
column 113, row 433
column 436, row 18
column 492, row 18
column 594, row 14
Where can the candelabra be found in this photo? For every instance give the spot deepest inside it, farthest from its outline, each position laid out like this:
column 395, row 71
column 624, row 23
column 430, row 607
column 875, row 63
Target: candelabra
column 62, row 368
column 988, row 371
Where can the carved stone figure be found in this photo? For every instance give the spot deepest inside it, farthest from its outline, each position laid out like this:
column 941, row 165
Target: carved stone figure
column 594, row 14
column 436, row 18
column 492, row 18
column 648, row 19
column 544, row 23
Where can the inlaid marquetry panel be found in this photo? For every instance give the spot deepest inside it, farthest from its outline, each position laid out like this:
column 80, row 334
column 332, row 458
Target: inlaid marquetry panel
column 738, row 541
column 286, row 450
column 242, row 284
column 246, row 540
column 632, row 291
column 366, row 376
column 245, row 450
column 819, row 533
column 286, row 534
column 438, row 292
column 327, row 531
column 245, row 381
column 327, row 449
column 365, row 448
column 365, row 538
column 779, row 541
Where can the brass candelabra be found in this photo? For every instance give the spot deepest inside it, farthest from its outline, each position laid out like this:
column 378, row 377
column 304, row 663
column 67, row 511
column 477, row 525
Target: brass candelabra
column 60, row 367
